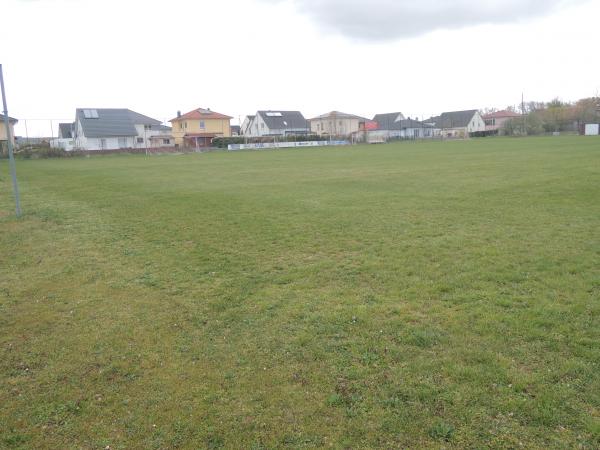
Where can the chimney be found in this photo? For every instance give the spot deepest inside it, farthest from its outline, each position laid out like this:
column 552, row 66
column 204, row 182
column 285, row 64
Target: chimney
column 178, row 113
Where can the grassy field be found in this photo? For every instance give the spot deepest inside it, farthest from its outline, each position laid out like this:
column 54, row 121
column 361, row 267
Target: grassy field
column 415, row 295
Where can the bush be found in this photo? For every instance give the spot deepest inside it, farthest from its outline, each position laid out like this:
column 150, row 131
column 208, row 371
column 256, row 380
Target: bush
column 37, row 152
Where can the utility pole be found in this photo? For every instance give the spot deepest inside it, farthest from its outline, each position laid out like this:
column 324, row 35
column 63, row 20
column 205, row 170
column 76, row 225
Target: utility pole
column 11, row 156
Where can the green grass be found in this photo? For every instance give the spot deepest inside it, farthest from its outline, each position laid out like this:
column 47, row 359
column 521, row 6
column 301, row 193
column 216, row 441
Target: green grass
column 402, row 296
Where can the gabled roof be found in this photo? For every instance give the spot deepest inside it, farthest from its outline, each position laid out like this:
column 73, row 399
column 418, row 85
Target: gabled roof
column 454, row 119
column 338, row 115
column 65, row 130
column 283, row 120
column 387, row 121
column 391, row 122
column 112, row 122
column 10, row 119
column 501, row 115
column 201, row 114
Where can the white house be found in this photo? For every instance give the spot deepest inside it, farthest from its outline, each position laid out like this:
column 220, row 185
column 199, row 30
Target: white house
column 458, row 124
column 111, row 129
column 275, row 123
column 246, row 127
column 396, row 126
column 65, row 138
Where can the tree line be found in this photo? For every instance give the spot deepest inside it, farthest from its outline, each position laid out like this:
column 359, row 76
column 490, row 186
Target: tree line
column 553, row 116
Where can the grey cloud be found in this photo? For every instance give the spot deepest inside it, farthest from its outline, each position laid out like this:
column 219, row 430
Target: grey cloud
column 377, row 20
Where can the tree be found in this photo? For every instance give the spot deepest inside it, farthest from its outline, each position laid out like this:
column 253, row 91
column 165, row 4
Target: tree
column 486, row 111
column 586, row 110
column 558, row 116
column 534, row 106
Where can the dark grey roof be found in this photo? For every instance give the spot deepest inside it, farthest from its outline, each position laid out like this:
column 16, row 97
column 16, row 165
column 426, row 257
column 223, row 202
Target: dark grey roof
column 454, row 119
column 113, row 122
column 433, row 120
column 386, row 121
column 283, row 120
column 10, row 119
column 411, row 123
column 389, row 122
column 65, row 130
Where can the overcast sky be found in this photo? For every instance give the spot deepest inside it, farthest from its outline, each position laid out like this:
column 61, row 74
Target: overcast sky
column 239, row 56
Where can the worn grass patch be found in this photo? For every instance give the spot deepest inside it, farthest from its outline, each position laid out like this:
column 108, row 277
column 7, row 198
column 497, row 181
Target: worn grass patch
column 401, row 296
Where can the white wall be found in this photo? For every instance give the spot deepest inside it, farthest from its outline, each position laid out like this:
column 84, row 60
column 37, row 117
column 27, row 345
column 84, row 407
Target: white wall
column 65, row 144
column 477, row 124
column 245, row 128
column 109, row 143
column 146, row 135
column 592, row 129
column 81, row 142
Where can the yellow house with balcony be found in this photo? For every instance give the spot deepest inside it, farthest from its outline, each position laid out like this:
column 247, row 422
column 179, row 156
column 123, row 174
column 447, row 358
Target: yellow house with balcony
column 199, row 127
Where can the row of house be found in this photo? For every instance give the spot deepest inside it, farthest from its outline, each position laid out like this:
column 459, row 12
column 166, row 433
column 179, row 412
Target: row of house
column 382, row 126
column 108, row 129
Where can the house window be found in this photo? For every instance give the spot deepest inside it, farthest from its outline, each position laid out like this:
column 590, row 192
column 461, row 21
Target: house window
column 166, row 141
column 122, row 142
column 147, row 127
column 202, row 125
column 262, row 126
column 140, row 140
column 180, row 126
column 102, row 144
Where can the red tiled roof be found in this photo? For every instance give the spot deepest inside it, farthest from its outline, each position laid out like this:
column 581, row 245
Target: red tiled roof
column 501, row 115
column 201, row 114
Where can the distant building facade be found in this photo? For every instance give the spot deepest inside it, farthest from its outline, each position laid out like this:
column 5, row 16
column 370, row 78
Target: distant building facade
column 458, row 124
column 246, row 127
column 275, row 123
column 113, row 129
column 11, row 125
column 494, row 122
column 396, row 126
column 337, row 123
column 198, row 128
